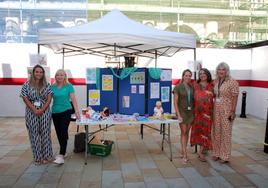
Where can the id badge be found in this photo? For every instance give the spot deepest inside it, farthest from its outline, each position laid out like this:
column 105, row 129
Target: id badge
column 37, row 103
column 189, row 108
column 218, row 100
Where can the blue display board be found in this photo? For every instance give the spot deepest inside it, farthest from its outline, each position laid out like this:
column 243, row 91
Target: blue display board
column 108, row 90
column 139, row 92
column 164, row 96
column 132, row 92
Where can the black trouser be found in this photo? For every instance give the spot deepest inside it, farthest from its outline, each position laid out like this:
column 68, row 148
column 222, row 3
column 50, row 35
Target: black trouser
column 61, row 122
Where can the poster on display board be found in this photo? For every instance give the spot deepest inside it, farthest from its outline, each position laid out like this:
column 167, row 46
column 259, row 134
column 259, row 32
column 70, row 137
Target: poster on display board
column 126, row 102
column 154, row 89
column 93, row 97
column 137, row 78
column 38, row 59
column 107, row 82
column 141, row 89
column 165, row 91
column 47, row 73
column 91, row 75
column 166, row 75
column 133, row 89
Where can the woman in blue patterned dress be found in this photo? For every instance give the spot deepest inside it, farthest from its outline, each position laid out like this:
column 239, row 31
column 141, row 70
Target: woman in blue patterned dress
column 37, row 94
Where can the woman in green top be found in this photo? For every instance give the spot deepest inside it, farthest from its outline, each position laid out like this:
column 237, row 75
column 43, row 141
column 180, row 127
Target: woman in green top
column 63, row 92
column 183, row 104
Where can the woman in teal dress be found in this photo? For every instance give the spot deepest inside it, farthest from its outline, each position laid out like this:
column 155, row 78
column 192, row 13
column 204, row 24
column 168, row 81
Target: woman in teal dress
column 184, row 104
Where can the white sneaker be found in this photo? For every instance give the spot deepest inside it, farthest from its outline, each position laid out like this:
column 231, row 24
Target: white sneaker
column 59, row 159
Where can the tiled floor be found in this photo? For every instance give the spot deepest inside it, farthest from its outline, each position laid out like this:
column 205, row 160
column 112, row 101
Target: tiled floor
column 134, row 162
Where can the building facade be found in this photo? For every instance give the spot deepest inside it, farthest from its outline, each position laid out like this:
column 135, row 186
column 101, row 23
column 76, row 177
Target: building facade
column 215, row 23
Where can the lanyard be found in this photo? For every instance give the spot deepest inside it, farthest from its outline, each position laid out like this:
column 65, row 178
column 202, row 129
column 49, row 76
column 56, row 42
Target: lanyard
column 189, row 96
column 188, row 89
column 219, row 86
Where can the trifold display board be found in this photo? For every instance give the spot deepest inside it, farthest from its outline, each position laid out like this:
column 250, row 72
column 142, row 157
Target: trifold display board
column 131, row 90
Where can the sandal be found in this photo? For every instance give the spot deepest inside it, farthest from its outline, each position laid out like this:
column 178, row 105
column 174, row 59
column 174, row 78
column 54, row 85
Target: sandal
column 37, row 163
column 215, row 158
column 223, row 161
column 202, row 159
column 45, row 161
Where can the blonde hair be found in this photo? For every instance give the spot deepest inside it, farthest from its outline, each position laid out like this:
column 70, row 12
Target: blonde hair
column 32, row 80
column 65, row 81
column 158, row 103
column 224, row 66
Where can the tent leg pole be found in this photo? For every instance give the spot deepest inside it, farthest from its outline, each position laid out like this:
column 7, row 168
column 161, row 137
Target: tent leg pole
column 63, row 58
column 195, row 79
column 155, row 59
column 38, row 48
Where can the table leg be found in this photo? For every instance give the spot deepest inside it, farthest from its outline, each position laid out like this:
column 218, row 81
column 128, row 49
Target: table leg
column 86, row 146
column 141, row 131
column 169, row 142
column 164, row 134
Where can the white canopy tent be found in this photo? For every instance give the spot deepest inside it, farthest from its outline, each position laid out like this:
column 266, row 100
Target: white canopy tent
column 115, row 35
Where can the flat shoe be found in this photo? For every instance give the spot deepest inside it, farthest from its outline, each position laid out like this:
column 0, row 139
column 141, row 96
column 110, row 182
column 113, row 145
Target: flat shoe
column 223, row 161
column 184, row 160
column 202, row 159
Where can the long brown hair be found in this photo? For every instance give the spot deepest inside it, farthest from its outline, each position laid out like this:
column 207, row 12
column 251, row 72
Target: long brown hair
column 183, row 73
column 32, row 80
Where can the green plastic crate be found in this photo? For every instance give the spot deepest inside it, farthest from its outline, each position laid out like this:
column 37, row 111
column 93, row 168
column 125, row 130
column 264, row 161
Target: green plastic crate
column 101, row 150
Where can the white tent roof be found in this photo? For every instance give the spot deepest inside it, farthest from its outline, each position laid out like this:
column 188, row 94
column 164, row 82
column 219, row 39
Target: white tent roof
column 115, row 35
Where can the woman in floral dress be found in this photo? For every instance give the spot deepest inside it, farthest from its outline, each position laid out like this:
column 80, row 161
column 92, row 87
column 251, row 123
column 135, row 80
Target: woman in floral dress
column 226, row 90
column 201, row 128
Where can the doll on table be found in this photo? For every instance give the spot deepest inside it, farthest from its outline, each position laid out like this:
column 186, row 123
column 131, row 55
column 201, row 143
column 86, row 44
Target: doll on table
column 96, row 115
column 158, row 110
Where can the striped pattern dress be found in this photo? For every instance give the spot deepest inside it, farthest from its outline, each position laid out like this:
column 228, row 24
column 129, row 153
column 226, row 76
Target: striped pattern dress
column 39, row 127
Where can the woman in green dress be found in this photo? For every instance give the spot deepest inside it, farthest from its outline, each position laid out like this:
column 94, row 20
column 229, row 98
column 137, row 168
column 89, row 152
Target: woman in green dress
column 184, row 104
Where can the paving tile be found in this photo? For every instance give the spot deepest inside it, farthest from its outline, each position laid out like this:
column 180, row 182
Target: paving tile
column 46, row 185
column 155, row 182
column 4, row 167
column 111, row 162
column 8, row 181
column 27, row 180
column 258, row 180
column 131, row 172
column 112, row 179
column 220, row 167
column 92, row 171
column 177, row 183
column 236, row 179
column 259, row 169
column 70, row 179
column 145, row 161
column 203, row 168
column 218, row 182
column 167, row 169
column 193, row 178
column 89, row 184
column 135, row 185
